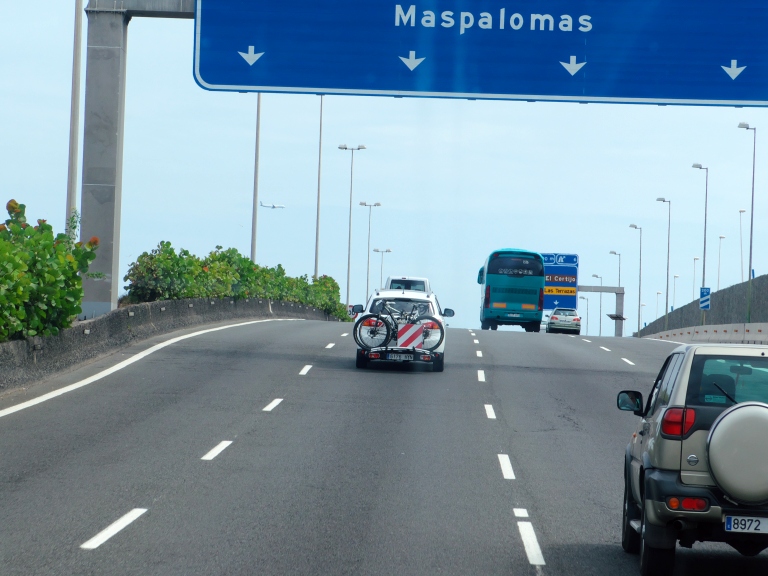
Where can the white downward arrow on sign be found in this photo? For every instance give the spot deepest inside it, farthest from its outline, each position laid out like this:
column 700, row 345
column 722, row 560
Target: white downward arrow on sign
column 250, row 57
column 734, row 70
column 572, row 67
column 412, row 61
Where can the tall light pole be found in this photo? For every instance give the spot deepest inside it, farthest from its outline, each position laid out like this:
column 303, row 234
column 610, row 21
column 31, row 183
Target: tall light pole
column 74, row 115
column 658, row 293
column 587, row 301
column 642, row 305
column 669, row 243
column 719, row 252
column 706, row 195
column 674, row 290
column 349, row 244
column 640, row 278
column 368, row 273
column 381, row 276
column 741, row 245
column 619, row 255
column 600, row 332
column 255, row 213
column 752, row 221
column 319, row 172
column 694, row 276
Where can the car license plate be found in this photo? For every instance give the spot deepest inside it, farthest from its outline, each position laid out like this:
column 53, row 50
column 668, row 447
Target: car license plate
column 513, row 315
column 746, row 524
column 400, row 357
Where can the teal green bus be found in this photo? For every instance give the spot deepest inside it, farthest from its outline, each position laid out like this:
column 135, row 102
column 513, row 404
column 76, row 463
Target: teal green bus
column 512, row 290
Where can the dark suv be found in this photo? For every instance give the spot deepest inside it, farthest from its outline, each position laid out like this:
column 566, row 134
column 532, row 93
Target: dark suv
column 696, row 468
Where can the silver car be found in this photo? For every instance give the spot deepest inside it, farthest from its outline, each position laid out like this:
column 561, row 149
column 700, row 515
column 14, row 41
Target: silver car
column 564, row 320
column 696, row 468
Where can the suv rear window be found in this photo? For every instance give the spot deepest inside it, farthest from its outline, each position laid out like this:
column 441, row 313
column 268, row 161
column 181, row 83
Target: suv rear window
column 560, row 312
column 404, row 305
column 714, row 378
column 408, row 285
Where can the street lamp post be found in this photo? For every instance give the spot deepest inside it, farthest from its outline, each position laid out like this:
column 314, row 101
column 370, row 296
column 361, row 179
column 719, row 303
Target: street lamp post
column 669, row 241
column 600, row 331
column 381, row 277
column 587, row 301
column 752, row 221
column 674, row 290
column 640, row 279
column 741, row 245
column 619, row 255
column 368, row 273
column 719, row 252
column 658, row 293
column 349, row 244
column 706, row 195
column 695, row 258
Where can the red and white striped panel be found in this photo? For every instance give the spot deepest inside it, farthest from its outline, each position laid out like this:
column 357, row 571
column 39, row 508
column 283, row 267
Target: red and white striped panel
column 410, row 336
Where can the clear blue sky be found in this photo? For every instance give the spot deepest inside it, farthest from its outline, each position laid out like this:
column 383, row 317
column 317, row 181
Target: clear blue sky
column 456, row 179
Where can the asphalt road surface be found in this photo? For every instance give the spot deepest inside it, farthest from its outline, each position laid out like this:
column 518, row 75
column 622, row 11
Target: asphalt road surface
column 260, row 449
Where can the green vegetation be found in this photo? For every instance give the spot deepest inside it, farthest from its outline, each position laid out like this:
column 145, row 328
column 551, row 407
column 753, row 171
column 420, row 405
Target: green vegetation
column 41, row 285
column 165, row 274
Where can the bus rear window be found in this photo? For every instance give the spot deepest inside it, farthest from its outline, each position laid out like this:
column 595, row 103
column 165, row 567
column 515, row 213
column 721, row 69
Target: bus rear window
column 515, row 266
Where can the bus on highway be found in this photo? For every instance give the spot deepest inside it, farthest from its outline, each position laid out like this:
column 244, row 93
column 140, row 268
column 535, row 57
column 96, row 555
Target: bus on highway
column 512, row 290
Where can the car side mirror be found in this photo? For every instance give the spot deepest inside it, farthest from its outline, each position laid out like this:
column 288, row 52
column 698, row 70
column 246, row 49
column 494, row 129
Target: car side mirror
column 630, row 401
column 546, row 315
column 448, row 313
column 357, row 308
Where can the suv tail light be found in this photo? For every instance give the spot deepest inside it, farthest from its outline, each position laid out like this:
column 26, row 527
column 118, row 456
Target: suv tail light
column 541, row 299
column 677, row 421
column 431, row 326
column 373, row 322
column 487, row 297
column 554, row 318
column 685, row 503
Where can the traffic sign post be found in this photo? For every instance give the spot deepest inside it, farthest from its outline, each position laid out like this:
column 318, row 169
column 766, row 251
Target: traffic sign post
column 633, row 51
column 704, row 294
column 562, row 281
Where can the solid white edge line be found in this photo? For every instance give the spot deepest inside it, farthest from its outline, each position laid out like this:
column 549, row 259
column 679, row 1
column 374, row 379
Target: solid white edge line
column 479, row 354
column 663, row 341
column 604, row 348
column 113, row 529
column 532, row 548
column 506, row 467
column 490, row 412
column 520, row 512
column 123, row 364
column 628, row 362
column 220, row 447
column 331, row 345
column 306, row 369
column 481, row 375
column 272, row 405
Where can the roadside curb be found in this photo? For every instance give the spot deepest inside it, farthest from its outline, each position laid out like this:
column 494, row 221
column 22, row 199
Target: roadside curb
column 36, row 358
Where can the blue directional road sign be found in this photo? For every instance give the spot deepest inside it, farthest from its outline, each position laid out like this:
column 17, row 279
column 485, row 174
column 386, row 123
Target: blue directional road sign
column 562, row 281
column 635, row 51
column 704, row 298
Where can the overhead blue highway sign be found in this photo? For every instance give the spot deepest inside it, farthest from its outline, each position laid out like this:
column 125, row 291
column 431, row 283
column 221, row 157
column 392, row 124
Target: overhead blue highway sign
column 635, row 51
column 562, row 281
column 704, row 294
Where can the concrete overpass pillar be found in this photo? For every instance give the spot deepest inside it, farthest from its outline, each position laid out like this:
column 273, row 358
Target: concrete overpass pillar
column 103, row 154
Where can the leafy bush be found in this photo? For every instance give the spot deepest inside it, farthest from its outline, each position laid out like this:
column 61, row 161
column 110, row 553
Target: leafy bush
column 41, row 287
column 164, row 274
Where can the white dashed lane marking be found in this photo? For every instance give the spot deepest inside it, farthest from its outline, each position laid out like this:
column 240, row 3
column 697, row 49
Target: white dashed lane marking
column 477, row 341
column 345, row 334
column 479, row 354
column 331, row 345
column 628, row 362
column 604, row 348
column 532, row 548
column 306, row 369
column 216, row 451
column 481, row 375
column 113, row 529
column 489, row 412
column 506, row 467
column 272, row 405
column 585, row 340
column 520, row 513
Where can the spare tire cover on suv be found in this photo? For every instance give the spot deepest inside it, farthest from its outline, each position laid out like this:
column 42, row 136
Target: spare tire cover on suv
column 737, row 450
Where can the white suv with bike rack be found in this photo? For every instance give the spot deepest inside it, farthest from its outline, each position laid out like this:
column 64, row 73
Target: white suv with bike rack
column 401, row 326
